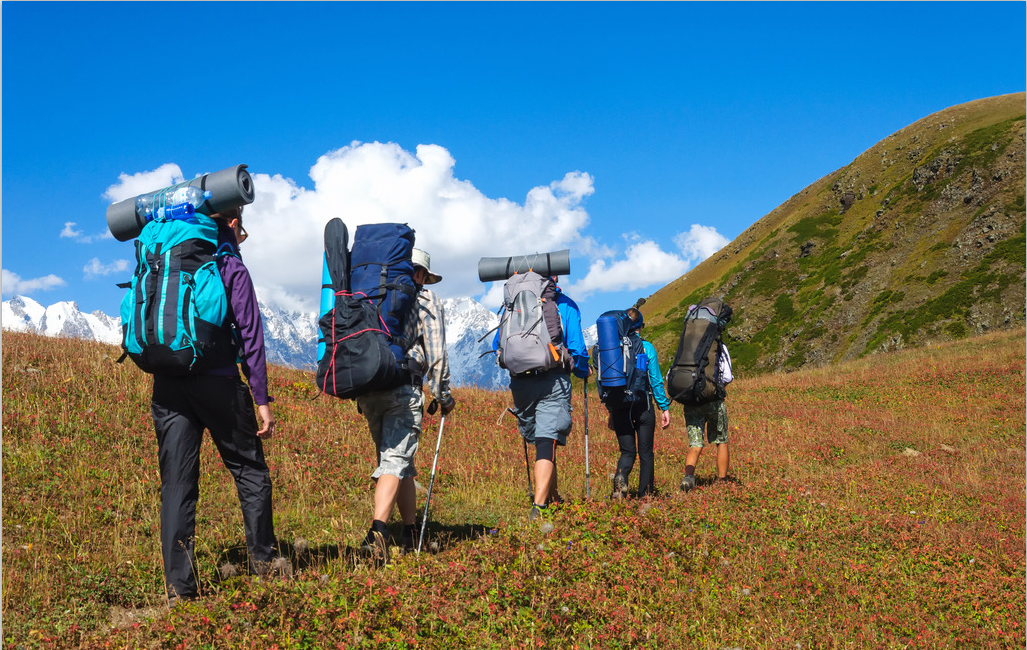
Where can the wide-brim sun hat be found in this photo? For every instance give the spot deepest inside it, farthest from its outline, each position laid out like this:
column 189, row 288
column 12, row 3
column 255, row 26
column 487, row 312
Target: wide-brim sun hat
column 423, row 260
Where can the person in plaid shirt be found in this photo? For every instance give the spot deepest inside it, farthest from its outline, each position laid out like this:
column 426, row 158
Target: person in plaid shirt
column 394, row 416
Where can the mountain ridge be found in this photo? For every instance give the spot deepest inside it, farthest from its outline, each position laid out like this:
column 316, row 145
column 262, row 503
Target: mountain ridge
column 919, row 240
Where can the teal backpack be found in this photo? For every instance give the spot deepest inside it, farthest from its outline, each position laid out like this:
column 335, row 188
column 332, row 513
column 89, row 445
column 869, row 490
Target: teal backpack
column 173, row 315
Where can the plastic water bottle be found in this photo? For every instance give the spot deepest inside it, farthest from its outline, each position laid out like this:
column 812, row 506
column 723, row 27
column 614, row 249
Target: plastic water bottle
column 188, row 194
column 179, row 204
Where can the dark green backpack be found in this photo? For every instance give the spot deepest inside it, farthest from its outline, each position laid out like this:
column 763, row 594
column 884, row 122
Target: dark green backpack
column 692, row 377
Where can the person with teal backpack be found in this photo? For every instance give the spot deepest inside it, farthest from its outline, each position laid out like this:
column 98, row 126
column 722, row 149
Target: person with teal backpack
column 628, row 379
column 190, row 315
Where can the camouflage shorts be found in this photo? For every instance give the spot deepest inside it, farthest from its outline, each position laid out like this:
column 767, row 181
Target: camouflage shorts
column 709, row 418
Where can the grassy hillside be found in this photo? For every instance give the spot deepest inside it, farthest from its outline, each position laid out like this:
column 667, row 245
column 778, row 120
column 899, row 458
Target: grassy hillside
column 919, row 240
column 879, row 504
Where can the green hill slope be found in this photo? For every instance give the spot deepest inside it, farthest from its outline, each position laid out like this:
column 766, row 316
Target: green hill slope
column 918, row 240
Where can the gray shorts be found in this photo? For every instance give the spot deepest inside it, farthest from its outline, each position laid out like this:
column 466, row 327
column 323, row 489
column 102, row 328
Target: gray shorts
column 709, row 418
column 542, row 404
column 394, row 418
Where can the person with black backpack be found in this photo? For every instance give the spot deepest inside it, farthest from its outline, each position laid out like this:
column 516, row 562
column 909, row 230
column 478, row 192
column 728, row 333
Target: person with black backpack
column 216, row 398
column 394, row 415
column 698, row 379
column 709, row 421
column 632, row 361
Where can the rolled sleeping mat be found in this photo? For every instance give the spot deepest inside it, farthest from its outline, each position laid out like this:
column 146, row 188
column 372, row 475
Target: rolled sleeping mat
column 491, row 269
column 229, row 188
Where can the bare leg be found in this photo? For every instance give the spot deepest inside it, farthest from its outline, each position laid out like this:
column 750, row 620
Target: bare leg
column 723, row 460
column 545, row 480
column 386, row 491
column 407, row 501
column 692, row 460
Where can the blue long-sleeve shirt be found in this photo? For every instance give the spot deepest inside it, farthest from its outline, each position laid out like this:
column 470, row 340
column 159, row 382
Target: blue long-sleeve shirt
column 573, row 339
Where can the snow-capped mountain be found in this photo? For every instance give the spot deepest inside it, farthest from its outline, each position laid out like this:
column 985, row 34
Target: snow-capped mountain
column 290, row 337
column 591, row 336
column 466, row 322
column 59, row 319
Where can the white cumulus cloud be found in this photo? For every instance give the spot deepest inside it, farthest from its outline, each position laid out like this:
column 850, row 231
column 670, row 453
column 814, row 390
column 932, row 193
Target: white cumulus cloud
column 699, row 242
column 455, row 222
column 71, row 232
column 644, row 264
column 381, row 182
column 130, row 185
column 96, row 269
column 14, row 284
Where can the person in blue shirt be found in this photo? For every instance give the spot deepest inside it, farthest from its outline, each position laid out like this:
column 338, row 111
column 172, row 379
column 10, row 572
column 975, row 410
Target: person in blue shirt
column 542, row 401
column 634, row 420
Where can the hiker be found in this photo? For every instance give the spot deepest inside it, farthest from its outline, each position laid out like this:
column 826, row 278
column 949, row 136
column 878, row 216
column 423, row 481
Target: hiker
column 542, row 397
column 633, row 418
column 394, row 416
column 218, row 400
column 709, row 421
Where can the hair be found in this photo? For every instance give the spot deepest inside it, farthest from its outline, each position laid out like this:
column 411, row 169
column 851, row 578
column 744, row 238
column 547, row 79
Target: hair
column 228, row 215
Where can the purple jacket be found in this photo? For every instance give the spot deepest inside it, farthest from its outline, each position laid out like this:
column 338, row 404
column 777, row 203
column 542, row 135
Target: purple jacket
column 244, row 313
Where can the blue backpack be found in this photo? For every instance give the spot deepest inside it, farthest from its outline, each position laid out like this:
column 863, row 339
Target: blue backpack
column 173, row 315
column 619, row 360
column 368, row 296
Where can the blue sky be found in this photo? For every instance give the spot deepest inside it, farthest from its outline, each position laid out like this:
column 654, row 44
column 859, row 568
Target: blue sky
column 641, row 136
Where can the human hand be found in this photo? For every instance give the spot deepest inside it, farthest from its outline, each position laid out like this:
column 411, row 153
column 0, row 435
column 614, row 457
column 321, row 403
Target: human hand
column 665, row 419
column 267, row 419
column 448, row 406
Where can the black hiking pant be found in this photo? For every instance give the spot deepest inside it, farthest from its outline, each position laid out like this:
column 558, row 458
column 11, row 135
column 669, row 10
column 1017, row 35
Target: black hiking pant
column 182, row 408
column 635, row 425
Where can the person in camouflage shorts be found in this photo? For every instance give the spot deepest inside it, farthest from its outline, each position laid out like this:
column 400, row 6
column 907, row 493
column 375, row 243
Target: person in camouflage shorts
column 708, row 421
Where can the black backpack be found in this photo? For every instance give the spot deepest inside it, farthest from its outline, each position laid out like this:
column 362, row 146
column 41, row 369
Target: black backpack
column 693, row 379
column 619, row 360
column 367, row 297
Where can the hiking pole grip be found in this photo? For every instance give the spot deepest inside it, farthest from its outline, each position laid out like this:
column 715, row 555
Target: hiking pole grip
column 431, row 484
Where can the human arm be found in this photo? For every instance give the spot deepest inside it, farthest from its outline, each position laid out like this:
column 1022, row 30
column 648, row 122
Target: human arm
column 245, row 316
column 656, row 383
column 431, row 323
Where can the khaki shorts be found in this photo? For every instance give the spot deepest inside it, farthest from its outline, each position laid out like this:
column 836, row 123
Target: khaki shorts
column 394, row 418
column 710, row 419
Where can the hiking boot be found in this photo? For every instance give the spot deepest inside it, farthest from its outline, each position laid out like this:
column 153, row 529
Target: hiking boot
column 620, row 487
column 537, row 511
column 409, row 544
column 688, row 483
column 376, row 547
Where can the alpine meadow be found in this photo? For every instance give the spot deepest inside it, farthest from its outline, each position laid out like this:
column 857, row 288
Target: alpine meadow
column 878, row 438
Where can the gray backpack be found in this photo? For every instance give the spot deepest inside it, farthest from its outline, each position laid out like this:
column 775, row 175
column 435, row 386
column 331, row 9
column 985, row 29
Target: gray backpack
column 530, row 334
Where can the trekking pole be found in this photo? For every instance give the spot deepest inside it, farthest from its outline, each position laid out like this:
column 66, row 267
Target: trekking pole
column 431, row 483
column 584, row 387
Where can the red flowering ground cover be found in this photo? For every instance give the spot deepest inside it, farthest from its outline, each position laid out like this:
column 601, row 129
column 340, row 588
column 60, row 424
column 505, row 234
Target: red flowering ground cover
column 877, row 504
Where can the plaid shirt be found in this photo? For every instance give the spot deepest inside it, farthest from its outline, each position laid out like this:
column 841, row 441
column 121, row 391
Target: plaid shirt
column 428, row 331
